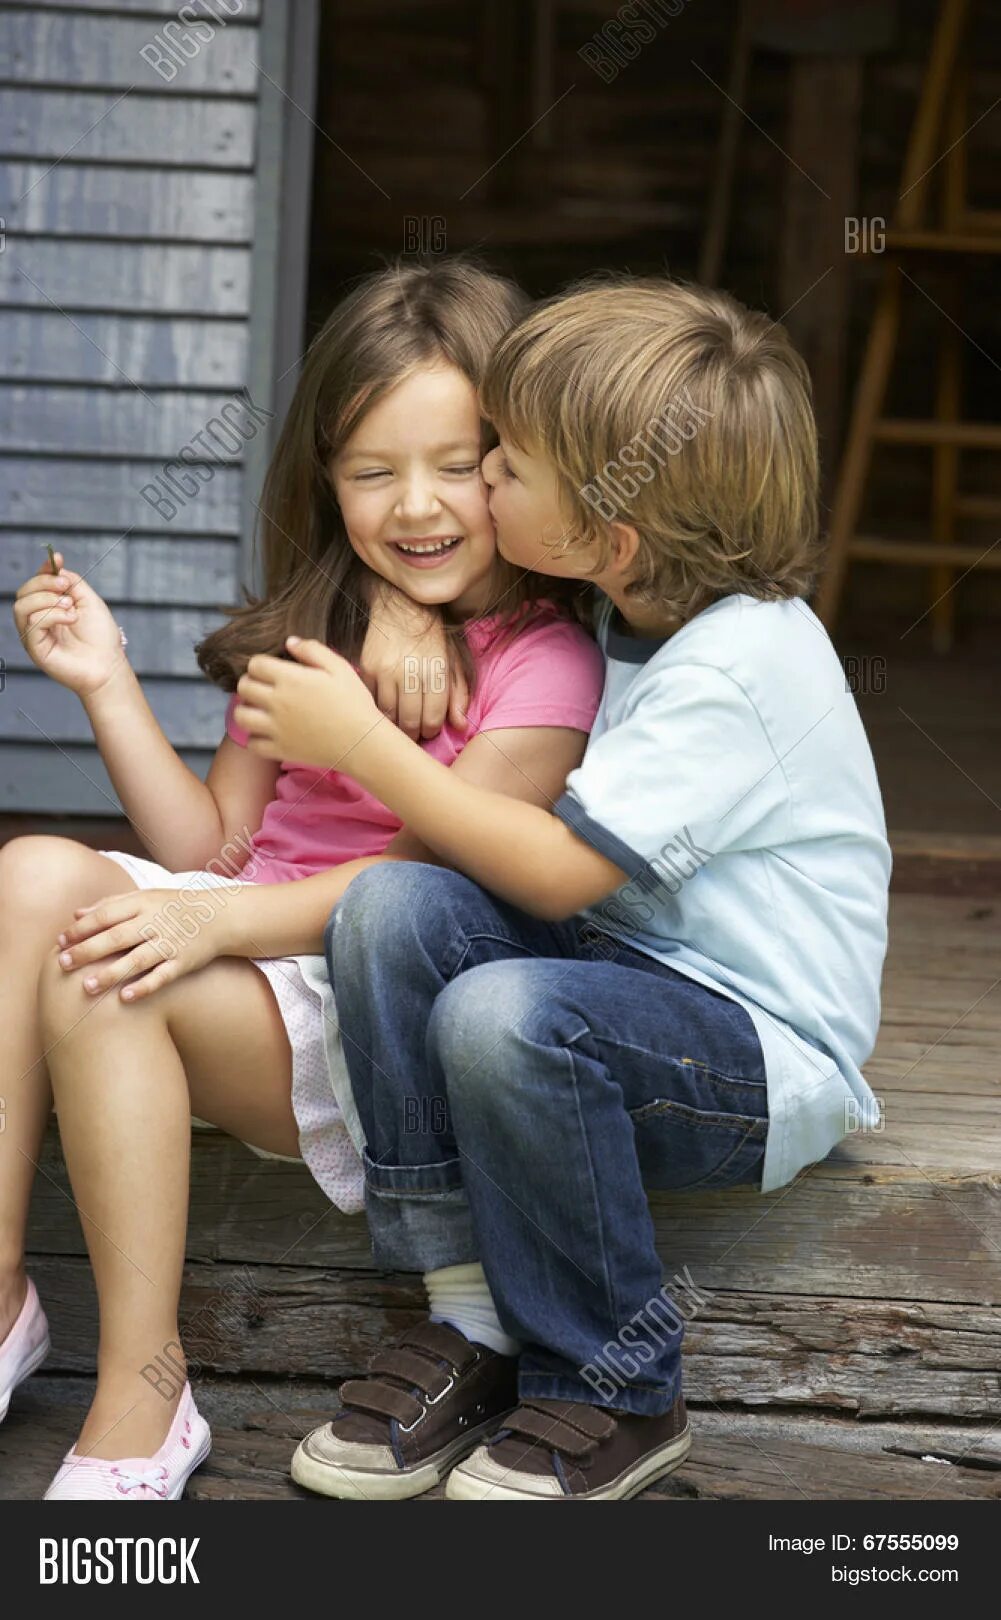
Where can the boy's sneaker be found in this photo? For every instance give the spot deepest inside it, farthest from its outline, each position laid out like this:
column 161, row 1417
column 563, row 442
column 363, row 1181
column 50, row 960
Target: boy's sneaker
column 560, row 1450
column 25, row 1347
column 160, row 1478
column 426, row 1401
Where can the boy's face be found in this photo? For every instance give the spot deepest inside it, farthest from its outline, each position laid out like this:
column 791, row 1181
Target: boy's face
column 524, row 503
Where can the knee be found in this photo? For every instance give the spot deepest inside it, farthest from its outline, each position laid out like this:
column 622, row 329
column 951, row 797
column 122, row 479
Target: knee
column 363, row 902
column 62, row 999
column 384, row 908
column 37, row 875
column 481, row 1027
column 66, row 1009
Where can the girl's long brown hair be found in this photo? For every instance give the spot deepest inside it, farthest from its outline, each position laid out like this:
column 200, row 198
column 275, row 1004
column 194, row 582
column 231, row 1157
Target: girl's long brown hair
column 396, row 320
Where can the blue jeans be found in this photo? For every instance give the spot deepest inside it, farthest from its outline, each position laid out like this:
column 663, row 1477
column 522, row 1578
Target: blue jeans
column 519, row 1083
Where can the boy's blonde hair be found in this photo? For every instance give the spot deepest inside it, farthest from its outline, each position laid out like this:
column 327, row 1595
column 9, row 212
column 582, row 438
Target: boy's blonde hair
column 673, row 408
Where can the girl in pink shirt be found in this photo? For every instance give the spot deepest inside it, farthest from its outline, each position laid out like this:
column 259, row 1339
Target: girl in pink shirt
column 194, row 983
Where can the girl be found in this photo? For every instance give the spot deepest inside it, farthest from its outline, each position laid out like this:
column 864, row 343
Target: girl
column 149, row 1005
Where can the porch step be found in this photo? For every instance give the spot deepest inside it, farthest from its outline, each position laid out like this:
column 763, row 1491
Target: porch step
column 869, row 1288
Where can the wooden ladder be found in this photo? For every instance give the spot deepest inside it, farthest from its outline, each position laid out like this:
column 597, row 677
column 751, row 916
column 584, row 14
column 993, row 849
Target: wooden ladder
column 937, row 135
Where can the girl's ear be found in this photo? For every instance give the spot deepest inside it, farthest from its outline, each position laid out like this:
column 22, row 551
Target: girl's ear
column 625, row 545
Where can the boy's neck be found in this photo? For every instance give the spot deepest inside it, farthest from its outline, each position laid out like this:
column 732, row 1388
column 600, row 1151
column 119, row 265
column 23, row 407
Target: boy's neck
column 643, row 619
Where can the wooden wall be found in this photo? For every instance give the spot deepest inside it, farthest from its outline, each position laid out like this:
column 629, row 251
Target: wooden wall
column 125, row 298
column 427, row 106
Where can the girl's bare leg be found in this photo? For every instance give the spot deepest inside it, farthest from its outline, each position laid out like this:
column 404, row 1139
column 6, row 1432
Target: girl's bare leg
column 42, row 879
column 127, row 1078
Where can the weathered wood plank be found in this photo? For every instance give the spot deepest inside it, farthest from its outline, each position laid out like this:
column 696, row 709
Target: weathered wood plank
column 120, row 422
column 838, row 1229
column 928, row 863
column 59, row 48
column 191, row 573
column 71, row 494
column 263, row 1320
column 118, row 349
column 161, row 642
column 68, row 781
column 81, row 126
column 930, row 1133
column 161, row 204
column 871, row 1358
column 131, row 276
column 973, row 1071
column 37, row 710
column 737, row 1457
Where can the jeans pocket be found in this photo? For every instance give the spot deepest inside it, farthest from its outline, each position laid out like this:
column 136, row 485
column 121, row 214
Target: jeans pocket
column 681, row 1148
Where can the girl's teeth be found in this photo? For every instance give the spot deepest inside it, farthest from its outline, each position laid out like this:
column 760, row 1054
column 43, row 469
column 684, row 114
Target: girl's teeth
column 430, row 550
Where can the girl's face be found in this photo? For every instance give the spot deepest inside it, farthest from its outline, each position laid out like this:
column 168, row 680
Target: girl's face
column 411, row 494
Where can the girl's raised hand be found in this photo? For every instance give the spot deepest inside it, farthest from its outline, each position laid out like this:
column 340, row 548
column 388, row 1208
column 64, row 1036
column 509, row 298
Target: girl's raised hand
column 312, row 712
column 411, row 667
column 67, row 629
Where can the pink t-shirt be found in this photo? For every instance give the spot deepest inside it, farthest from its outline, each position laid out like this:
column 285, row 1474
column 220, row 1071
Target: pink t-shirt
column 550, row 674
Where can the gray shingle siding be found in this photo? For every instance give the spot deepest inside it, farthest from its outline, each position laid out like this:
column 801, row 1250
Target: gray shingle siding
column 131, row 202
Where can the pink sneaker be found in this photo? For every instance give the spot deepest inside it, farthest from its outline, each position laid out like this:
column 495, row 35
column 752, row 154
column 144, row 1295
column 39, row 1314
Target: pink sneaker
column 139, row 1479
column 25, row 1347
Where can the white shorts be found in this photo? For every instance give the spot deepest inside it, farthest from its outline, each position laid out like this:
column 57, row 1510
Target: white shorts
column 330, row 1135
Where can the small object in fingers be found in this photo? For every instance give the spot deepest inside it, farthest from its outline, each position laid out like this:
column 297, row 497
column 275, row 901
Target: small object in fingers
column 52, row 559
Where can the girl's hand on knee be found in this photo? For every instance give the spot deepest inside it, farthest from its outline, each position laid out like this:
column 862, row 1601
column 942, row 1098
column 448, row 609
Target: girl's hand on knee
column 157, row 934
column 313, row 712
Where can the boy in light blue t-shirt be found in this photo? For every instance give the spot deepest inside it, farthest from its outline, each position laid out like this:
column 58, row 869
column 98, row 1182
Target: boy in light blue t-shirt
column 669, row 978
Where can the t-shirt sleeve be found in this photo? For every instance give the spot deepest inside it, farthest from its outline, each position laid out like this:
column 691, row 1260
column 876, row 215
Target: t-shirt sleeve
column 551, row 674
column 232, row 729
column 690, row 769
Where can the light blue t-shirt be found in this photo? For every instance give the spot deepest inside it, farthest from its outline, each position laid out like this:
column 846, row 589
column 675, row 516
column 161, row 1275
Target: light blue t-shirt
column 729, row 776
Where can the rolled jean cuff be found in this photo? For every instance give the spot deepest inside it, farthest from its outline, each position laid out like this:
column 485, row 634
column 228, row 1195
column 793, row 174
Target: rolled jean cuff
column 412, row 1180
column 418, row 1218
column 645, row 1400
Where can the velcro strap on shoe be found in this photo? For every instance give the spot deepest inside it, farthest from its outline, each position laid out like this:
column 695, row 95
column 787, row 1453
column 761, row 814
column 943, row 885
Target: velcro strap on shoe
column 438, row 1339
column 593, row 1421
column 397, row 1361
column 382, row 1400
column 548, row 1431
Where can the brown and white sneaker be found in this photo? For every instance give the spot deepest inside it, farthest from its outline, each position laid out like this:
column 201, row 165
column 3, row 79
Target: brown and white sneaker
column 426, row 1402
column 566, row 1450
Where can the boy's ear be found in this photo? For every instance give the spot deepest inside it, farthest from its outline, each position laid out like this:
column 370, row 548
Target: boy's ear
column 625, row 544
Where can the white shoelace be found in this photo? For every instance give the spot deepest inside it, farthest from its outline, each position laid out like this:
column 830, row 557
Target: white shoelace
column 151, row 1480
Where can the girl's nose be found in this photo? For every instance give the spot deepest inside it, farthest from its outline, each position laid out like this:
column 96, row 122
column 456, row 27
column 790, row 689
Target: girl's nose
column 418, row 500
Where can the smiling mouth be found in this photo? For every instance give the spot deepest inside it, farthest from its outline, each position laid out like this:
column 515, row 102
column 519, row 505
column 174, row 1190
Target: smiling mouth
column 428, row 548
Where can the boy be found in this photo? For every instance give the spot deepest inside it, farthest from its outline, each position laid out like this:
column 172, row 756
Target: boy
column 669, row 981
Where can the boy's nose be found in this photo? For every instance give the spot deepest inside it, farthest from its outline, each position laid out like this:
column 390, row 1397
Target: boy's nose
column 489, row 464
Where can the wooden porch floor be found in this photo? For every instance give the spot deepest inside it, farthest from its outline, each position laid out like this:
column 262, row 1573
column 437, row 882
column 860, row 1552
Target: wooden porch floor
column 848, row 1342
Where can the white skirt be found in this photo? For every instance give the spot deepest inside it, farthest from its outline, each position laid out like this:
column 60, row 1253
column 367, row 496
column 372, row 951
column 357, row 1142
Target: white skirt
column 330, row 1134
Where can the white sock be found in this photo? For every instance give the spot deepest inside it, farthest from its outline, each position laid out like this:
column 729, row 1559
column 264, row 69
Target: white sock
column 459, row 1295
